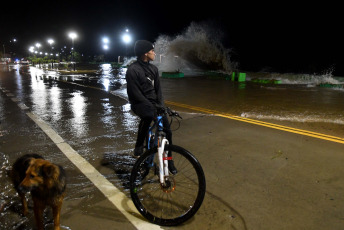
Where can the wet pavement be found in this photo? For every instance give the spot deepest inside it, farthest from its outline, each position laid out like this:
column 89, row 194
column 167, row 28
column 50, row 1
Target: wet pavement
column 257, row 177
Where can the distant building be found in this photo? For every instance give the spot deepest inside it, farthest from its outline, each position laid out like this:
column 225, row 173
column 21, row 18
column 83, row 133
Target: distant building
column 6, row 58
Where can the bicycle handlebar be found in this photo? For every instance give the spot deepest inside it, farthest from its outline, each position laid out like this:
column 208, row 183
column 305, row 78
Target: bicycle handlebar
column 167, row 110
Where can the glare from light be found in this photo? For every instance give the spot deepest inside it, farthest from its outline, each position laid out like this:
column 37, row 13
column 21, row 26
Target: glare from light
column 50, row 41
column 72, row 35
column 105, row 47
column 126, row 38
column 105, row 40
column 38, row 45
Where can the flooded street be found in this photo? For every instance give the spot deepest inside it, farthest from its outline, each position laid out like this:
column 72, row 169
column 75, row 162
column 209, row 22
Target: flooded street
column 257, row 177
column 96, row 124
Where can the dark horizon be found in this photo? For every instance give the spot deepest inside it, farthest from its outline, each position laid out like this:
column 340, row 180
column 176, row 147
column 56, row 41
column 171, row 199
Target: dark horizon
column 286, row 38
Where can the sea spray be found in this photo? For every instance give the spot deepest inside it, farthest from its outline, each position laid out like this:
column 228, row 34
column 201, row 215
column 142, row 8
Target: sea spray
column 197, row 49
column 315, row 79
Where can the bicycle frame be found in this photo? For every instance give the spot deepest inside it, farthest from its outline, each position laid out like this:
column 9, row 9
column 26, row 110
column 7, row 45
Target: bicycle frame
column 167, row 205
column 160, row 141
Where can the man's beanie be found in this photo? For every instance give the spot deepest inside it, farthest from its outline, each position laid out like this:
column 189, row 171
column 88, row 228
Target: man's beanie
column 142, row 47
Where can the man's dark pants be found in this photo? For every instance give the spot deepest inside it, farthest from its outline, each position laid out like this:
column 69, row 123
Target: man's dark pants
column 147, row 113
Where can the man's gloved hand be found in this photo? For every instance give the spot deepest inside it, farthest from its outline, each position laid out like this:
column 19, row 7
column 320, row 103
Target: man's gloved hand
column 160, row 109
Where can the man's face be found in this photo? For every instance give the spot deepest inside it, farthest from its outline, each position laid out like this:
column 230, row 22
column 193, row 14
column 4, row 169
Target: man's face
column 151, row 55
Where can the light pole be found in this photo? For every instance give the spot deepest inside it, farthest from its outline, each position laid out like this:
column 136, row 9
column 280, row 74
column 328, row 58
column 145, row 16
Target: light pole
column 38, row 45
column 73, row 35
column 126, row 39
column 105, row 46
column 51, row 41
column 4, row 56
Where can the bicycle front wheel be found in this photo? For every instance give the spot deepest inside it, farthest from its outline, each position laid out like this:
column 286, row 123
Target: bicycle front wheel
column 180, row 199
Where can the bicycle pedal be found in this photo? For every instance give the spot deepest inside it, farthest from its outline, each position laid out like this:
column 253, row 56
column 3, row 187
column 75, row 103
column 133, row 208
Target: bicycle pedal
column 172, row 168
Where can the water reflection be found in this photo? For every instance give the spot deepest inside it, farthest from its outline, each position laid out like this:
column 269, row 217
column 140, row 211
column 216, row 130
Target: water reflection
column 109, row 77
column 78, row 107
column 39, row 95
column 55, row 94
column 108, row 117
column 130, row 121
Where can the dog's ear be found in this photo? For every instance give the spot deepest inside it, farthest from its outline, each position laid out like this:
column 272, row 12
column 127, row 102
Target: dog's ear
column 27, row 162
column 49, row 170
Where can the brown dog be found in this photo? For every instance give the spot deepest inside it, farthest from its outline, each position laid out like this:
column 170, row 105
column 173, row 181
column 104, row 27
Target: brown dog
column 45, row 181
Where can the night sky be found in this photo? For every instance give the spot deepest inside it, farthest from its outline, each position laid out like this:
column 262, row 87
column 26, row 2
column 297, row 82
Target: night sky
column 280, row 37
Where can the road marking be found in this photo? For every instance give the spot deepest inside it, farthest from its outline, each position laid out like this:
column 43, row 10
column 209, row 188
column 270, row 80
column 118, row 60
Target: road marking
column 22, row 106
column 114, row 195
column 261, row 123
column 111, row 192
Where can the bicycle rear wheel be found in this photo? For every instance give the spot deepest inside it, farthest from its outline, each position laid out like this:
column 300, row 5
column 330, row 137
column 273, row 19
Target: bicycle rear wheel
column 173, row 204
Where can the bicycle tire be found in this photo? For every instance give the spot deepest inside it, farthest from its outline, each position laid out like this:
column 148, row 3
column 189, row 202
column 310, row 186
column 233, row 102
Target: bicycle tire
column 175, row 206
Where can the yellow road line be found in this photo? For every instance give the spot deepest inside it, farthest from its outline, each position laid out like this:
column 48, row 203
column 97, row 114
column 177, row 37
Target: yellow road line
column 261, row 123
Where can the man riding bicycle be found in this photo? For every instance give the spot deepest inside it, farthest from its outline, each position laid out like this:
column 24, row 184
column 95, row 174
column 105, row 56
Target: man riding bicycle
column 145, row 95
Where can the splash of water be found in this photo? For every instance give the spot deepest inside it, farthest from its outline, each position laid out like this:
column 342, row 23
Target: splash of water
column 198, row 48
column 325, row 77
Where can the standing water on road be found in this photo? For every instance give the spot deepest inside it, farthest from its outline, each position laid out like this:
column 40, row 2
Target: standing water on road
column 300, row 100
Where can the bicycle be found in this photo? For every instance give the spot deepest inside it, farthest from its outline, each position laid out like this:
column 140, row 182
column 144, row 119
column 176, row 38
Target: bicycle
column 160, row 196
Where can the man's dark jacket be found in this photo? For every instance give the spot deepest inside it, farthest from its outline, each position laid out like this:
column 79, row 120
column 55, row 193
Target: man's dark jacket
column 143, row 86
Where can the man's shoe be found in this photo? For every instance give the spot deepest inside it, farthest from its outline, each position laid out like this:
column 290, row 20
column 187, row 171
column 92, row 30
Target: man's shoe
column 172, row 168
column 138, row 151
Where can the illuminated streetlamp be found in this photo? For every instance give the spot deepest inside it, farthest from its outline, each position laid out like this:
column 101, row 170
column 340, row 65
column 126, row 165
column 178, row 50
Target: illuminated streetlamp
column 51, row 41
column 72, row 35
column 106, row 42
column 126, row 39
column 32, row 49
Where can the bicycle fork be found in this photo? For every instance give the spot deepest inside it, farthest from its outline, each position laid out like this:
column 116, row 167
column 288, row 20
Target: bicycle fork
column 163, row 160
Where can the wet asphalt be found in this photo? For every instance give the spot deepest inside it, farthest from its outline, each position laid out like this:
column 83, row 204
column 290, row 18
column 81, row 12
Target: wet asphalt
column 257, row 177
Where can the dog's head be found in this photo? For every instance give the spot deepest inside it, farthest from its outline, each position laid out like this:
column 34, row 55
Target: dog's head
column 40, row 173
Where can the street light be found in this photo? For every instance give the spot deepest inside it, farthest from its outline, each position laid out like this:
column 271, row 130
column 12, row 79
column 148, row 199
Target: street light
column 126, row 39
column 72, row 35
column 32, row 49
column 51, row 41
column 106, row 42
